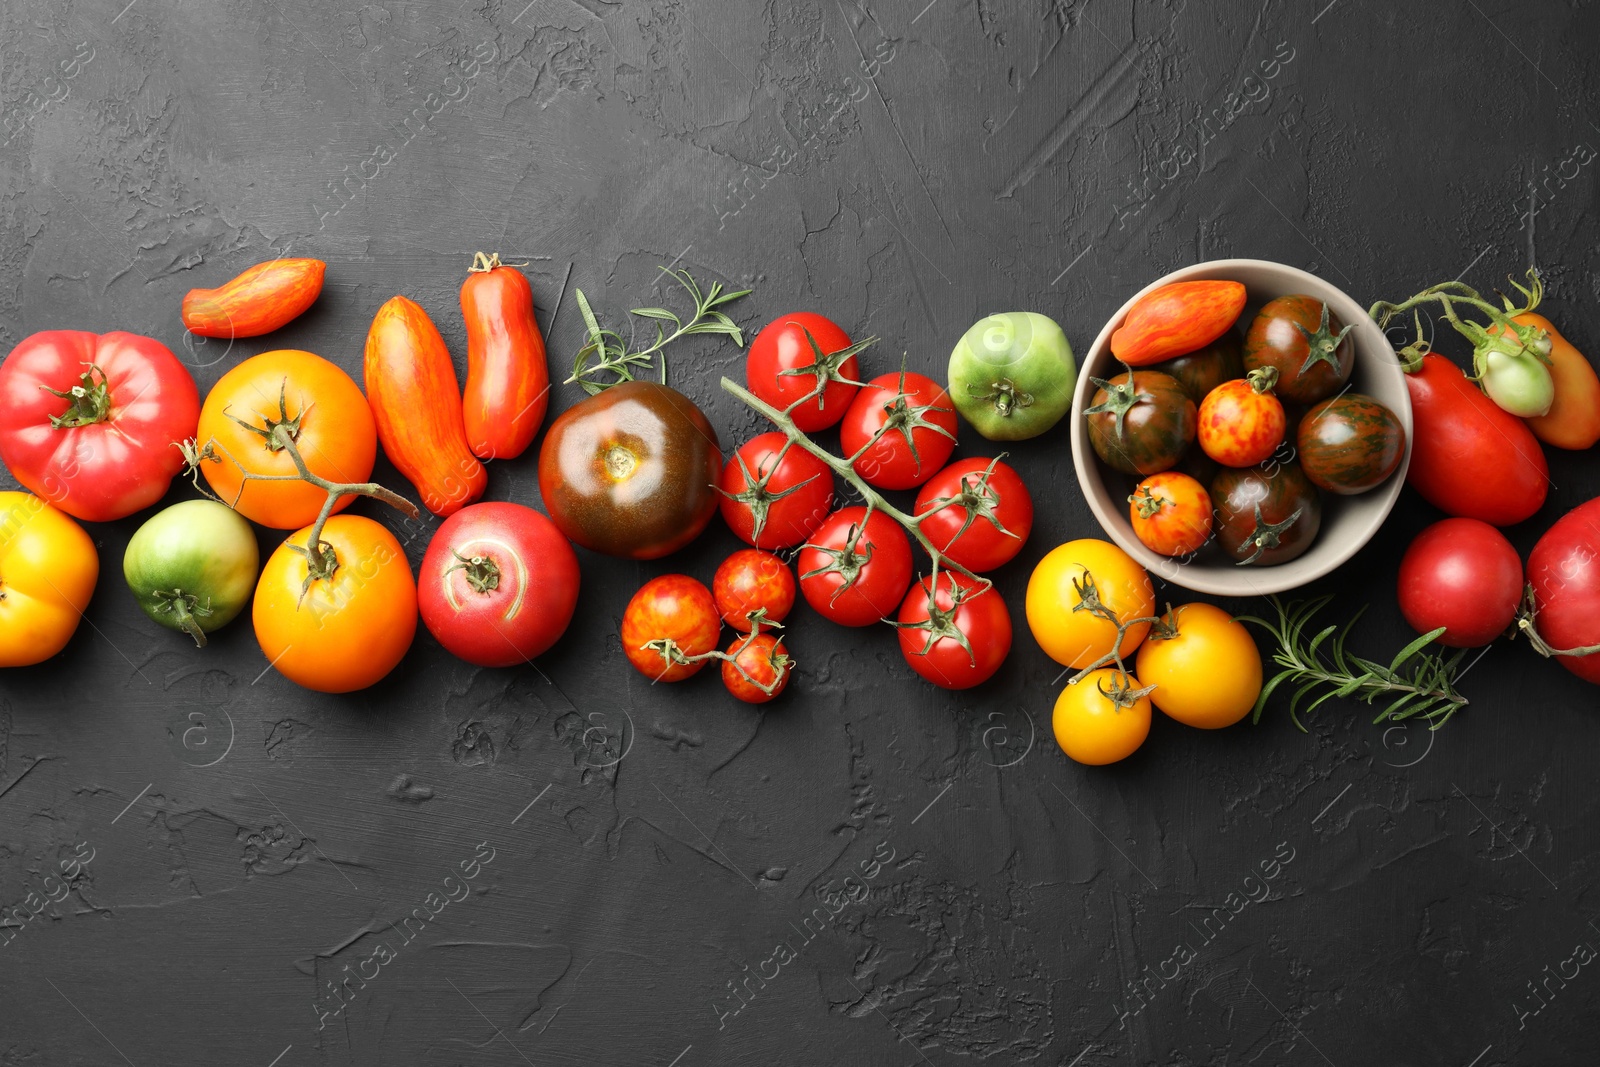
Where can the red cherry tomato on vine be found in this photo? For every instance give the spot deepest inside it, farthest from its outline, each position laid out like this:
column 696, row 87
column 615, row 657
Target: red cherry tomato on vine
column 760, row 663
column 1241, row 422
column 988, row 518
column 958, row 636
column 792, row 343
column 675, row 608
column 749, row 581
column 920, row 435
column 854, row 570
column 772, row 497
column 1464, row 575
column 498, row 584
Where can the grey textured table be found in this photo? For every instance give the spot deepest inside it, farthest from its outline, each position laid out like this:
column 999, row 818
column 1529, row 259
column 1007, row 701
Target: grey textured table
column 246, row 849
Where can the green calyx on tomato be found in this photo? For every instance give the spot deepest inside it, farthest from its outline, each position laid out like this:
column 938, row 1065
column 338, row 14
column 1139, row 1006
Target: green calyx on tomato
column 1267, row 535
column 1322, row 344
column 828, row 367
column 845, row 561
column 756, row 496
column 273, row 430
column 481, row 572
column 901, row 416
column 91, row 400
column 940, row 624
column 192, row 567
column 976, row 499
column 1012, row 375
column 1262, row 379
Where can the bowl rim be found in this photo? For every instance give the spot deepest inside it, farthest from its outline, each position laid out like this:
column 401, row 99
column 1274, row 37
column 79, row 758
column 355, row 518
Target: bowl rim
column 1242, row 581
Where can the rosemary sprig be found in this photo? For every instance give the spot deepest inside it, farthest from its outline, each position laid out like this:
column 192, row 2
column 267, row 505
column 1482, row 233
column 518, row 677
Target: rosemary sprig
column 1414, row 683
column 607, row 353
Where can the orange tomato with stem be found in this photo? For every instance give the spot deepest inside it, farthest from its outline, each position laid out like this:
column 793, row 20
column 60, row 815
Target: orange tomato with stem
column 670, row 623
column 1102, row 718
column 1204, row 665
column 325, row 415
column 1241, row 422
column 1176, row 319
column 343, row 633
column 1170, row 513
column 1069, row 574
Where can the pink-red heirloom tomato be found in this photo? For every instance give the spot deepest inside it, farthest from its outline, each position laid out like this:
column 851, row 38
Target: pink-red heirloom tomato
column 1564, row 573
column 753, row 582
column 1464, row 575
column 1175, row 319
column 498, row 584
column 760, row 662
column 956, row 636
column 793, row 354
column 1468, row 457
column 986, row 517
column 90, row 422
column 670, row 619
column 854, row 570
column 343, row 633
column 774, row 493
column 918, row 424
column 1241, row 422
column 631, row 471
column 48, row 568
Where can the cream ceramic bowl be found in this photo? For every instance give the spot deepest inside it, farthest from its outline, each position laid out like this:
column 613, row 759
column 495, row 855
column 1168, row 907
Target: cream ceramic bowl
column 1348, row 522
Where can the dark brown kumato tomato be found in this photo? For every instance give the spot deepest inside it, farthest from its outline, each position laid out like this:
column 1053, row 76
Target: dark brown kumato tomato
column 629, row 471
column 1204, row 369
column 1140, row 422
column 1265, row 515
column 1350, row 444
column 1308, row 346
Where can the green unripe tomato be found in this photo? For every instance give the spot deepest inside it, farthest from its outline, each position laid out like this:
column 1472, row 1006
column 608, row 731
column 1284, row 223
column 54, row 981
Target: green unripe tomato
column 1514, row 375
column 1012, row 375
column 193, row 566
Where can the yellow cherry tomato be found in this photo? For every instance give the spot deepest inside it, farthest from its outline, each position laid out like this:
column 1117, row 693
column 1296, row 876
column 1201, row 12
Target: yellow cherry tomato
column 1204, row 665
column 48, row 567
column 1078, row 638
column 341, row 633
column 1091, row 724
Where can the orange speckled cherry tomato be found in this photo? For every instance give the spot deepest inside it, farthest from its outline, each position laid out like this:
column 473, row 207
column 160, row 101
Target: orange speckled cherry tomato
column 675, row 608
column 1171, row 513
column 765, row 665
column 751, row 580
column 1241, row 422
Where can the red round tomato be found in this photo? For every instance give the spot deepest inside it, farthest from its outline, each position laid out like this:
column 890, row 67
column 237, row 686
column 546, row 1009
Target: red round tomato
column 751, row 581
column 1564, row 571
column 775, row 493
column 956, row 637
column 854, row 570
column 1464, row 575
column 670, row 619
column 986, row 516
column 90, row 422
column 498, row 584
column 795, row 356
column 759, row 668
column 899, row 430
column 1241, row 422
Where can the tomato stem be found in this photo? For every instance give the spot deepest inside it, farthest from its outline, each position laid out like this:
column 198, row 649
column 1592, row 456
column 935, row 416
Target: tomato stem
column 186, row 610
column 91, row 400
column 1525, row 625
column 482, row 572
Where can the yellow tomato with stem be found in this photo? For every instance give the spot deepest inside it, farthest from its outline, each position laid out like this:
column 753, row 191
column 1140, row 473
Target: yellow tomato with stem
column 48, row 569
column 1065, row 586
column 1103, row 718
column 340, row 633
column 1204, row 664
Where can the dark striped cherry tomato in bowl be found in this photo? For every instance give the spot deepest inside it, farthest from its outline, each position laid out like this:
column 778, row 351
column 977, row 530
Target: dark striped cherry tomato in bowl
column 1305, row 343
column 1349, row 444
column 1140, row 422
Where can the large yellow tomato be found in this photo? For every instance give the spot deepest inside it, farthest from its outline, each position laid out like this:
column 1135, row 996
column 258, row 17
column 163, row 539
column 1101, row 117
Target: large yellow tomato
column 1092, row 726
column 1077, row 638
column 48, row 567
column 326, row 415
column 341, row 633
column 1207, row 673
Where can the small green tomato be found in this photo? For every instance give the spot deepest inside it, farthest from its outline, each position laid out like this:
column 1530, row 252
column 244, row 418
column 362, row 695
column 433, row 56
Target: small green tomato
column 192, row 567
column 1012, row 375
column 1515, row 376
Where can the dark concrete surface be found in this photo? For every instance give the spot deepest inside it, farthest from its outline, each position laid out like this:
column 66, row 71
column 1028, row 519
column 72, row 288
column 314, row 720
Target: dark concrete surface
column 239, row 846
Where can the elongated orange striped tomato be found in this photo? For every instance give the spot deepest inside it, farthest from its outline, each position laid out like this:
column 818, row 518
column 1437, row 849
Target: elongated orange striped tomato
column 262, row 299
column 508, row 381
column 416, row 402
column 1573, row 420
column 1176, row 319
